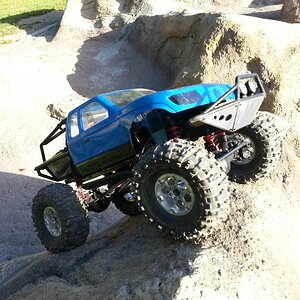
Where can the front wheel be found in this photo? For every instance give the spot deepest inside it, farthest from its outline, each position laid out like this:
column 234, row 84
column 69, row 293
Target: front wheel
column 262, row 153
column 181, row 188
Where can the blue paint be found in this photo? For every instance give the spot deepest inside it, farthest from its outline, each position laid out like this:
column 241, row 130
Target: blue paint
column 114, row 131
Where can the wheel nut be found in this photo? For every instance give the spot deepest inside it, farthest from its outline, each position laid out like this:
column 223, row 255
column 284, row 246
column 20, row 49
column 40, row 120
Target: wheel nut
column 246, row 153
column 171, row 181
column 187, row 198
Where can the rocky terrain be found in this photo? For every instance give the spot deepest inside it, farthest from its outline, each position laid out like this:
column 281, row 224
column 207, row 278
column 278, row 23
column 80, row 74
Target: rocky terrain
column 106, row 45
column 291, row 11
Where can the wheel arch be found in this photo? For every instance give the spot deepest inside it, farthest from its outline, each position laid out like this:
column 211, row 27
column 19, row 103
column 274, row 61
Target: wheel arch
column 151, row 125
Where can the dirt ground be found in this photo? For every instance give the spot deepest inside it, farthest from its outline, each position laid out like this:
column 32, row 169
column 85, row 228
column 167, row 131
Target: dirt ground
column 37, row 71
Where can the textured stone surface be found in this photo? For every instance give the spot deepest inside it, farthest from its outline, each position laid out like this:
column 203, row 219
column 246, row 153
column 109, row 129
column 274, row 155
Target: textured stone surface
column 291, row 11
column 245, row 260
column 120, row 12
column 262, row 3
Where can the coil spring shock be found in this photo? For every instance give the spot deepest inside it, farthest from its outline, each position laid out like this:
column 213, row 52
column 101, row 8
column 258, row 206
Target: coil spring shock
column 213, row 141
column 173, row 130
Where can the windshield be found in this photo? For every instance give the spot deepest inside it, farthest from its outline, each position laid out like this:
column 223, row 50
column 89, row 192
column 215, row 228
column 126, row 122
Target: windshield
column 122, row 98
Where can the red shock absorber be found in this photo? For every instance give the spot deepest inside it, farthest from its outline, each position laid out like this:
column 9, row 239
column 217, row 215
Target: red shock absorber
column 213, row 141
column 173, row 130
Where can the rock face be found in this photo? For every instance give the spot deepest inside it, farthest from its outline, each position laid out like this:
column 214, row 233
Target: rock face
column 261, row 3
column 76, row 19
column 291, row 11
column 215, row 48
column 116, row 13
column 113, row 13
column 136, row 261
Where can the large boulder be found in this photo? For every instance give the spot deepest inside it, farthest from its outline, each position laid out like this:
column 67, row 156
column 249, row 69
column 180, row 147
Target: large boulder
column 291, row 11
column 216, row 48
column 79, row 16
column 116, row 13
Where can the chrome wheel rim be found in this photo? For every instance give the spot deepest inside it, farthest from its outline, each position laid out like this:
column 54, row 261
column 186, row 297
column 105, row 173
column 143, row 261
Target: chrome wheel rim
column 174, row 194
column 52, row 222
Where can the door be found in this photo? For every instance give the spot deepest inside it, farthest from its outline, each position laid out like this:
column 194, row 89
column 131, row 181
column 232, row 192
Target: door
column 102, row 141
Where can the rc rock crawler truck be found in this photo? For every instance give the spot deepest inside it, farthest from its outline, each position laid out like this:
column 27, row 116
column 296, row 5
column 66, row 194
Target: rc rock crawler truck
column 167, row 155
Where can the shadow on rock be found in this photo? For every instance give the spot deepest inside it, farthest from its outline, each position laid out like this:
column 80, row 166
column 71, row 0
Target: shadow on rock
column 270, row 15
column 108, row 62
column 16, row 230
column 262, row 3
column 134, row 260
column 130, row 260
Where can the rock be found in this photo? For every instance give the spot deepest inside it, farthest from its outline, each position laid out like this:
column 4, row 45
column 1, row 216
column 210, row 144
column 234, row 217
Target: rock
column 136, row 261
column 60, row 109
column 154, row 265
column 291, row 11
column 107, row 7
column 89, row 9
column 56, row 112
column 76, row 18
column 216, row 48
column 112, row 12
column 262, row 3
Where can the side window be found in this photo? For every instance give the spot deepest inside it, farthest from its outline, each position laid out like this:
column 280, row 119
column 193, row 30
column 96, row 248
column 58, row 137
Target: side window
column 74, row 130
column 92, row 114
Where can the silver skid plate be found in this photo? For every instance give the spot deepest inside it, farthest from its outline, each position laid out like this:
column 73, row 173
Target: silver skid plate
column 232, row 115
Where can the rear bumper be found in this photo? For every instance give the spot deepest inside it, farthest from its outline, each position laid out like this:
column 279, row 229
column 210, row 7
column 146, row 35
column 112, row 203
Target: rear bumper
column 58, row 167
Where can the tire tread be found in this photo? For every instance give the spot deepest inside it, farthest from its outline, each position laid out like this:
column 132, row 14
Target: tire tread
column 207, row 176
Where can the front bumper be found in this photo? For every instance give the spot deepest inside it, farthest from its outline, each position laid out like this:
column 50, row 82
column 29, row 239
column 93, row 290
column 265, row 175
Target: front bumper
column 233, row 114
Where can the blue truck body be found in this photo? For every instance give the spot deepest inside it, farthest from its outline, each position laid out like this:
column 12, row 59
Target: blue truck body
column 107, row 133
column 113, row 133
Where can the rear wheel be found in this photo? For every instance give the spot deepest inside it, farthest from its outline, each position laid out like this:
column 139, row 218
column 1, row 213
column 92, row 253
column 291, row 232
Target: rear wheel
column 263, row 152
column 181, row 188
column 59, row 219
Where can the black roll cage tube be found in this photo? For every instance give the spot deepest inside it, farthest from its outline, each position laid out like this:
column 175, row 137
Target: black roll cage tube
column 52, row 136
column 237, row 88
column 55, row 133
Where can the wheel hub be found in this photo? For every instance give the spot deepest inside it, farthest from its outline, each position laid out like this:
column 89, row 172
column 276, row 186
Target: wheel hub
column 244, row 155
column 129, row 197
column 174, row 194
column 52, row 222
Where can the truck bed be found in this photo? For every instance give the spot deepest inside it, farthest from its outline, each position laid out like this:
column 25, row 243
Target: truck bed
column 58, row 166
